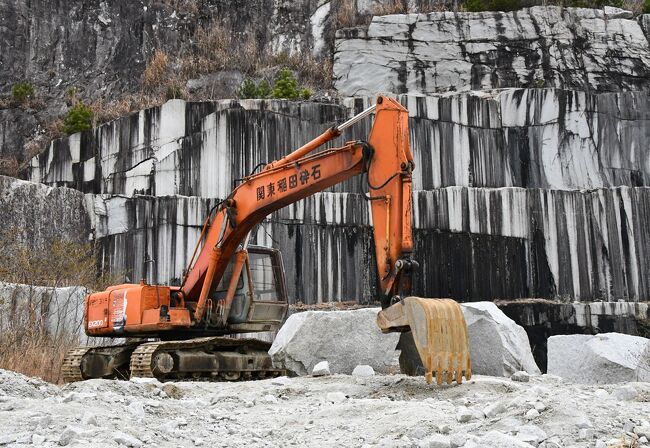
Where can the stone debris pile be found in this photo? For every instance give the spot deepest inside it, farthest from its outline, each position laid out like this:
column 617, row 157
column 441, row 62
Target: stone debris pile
column 332, row 410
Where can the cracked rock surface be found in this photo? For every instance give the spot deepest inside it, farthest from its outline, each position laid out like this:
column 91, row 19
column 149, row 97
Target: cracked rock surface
column 540, row 46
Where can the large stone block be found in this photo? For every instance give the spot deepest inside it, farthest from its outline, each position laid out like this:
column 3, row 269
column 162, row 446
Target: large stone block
column 36, row 215
column 598, row 359
column 59, row 309
column 343, row 338
column 498, row 346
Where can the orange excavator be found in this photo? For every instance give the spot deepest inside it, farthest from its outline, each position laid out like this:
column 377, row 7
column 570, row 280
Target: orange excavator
column 232, row 287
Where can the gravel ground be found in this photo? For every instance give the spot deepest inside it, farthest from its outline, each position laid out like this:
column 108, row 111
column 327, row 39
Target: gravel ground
column 338, row 410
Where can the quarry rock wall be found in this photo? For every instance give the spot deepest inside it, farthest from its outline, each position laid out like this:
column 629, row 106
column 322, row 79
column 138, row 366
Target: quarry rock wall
column 58, row 311
column 549, row 46
column 522, row 189
column 531, row 138
column 542, row 188
column 36, row 214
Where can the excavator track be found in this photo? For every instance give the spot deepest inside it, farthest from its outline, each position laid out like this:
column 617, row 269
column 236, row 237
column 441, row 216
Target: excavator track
column 200, row 359
column 207, row 359
column 71, row 368
column 107, row 361
column 142, row 357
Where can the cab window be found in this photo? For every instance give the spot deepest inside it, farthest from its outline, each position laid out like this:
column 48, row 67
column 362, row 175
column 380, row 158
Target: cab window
column 222, row 288
column 264, row 271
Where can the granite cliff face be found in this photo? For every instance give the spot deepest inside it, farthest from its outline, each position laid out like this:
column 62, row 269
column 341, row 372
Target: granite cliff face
column 574, row 232
column 520, row 191
column 586, row 49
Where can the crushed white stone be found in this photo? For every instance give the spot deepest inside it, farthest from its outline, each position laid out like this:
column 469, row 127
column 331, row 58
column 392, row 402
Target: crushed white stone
column 330, row 410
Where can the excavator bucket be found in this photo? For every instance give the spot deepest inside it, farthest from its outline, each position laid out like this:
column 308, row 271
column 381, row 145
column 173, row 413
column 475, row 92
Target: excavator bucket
column 439, row 333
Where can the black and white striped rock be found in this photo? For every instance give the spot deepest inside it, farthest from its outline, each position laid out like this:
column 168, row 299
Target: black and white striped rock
column 528, row 184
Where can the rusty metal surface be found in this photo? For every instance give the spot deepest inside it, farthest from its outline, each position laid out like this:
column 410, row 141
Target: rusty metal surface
column 223, row 349
column 439, row 332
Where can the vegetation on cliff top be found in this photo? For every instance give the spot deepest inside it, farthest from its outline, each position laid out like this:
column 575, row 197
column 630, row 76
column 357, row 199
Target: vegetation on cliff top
column 78, row 119
column 285, row 87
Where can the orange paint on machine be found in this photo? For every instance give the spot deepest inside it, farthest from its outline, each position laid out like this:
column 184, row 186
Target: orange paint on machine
column 233, row 287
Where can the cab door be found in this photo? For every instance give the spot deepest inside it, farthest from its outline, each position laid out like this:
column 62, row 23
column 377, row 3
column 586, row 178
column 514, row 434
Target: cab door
column 266, row 304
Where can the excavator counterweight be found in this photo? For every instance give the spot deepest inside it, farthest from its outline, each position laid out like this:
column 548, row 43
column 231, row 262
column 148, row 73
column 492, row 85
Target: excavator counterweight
column 231, row 287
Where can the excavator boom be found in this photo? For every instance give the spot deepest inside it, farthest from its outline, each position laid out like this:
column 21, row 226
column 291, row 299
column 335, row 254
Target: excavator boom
column 388, row 162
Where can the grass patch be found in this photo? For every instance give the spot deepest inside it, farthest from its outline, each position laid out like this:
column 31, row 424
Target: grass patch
column 38, row 355
column 22, row 92
column 37, row 328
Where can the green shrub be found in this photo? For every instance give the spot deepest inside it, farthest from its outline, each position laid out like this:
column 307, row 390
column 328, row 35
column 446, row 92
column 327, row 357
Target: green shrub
column 174, row 92
column 286, row 86
column 22, row 91
column 492, row 5
column 646, row 7
column 305, row 93
column 79, row 118
column 263, row 90
column 247, row 90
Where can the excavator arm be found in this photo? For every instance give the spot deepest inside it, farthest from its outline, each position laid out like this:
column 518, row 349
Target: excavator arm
column 386, row 159
column 437, row 327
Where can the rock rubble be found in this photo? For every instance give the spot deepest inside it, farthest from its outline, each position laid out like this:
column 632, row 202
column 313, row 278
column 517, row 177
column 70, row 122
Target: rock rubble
column 329, row 411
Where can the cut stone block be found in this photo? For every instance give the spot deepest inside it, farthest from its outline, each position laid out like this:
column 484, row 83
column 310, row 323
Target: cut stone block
column 345, row 339
column 498, row 346
column 599, row 359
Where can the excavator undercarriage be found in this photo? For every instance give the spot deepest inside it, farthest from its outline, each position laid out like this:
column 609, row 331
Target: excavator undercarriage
column 209, row 358
column 232, row 288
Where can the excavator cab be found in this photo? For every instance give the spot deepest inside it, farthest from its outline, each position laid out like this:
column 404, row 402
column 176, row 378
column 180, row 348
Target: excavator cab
column 260, row 300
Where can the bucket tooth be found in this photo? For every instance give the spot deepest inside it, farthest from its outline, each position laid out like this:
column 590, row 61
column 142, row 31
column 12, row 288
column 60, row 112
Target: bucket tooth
column 439, row 332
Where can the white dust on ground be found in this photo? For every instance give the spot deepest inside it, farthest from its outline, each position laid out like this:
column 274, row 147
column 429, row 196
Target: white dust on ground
column 338, row 410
